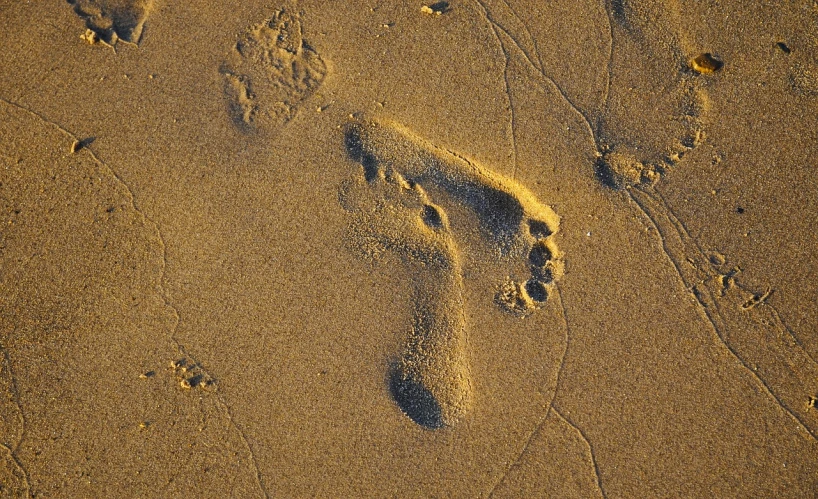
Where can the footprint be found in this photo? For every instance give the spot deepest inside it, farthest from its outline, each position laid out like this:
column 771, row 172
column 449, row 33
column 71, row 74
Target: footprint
column 114, row 20
column 510, row 216
column 430, row 381
column 639, row 152
column 391, row 211
column 270, row 72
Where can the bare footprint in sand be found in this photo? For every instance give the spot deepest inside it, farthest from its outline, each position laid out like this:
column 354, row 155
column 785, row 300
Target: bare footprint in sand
column 391, row 211
column 629, row 156
column 113, row 20
column 270, row 72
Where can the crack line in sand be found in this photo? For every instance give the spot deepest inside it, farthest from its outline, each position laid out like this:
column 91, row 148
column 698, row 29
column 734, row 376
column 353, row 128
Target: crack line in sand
column 536, row 57
column 507, row 84
column 20, row 468
column 541, row 422
column 512, row 111
column 528, row 33
column 12, row 450
column 553, row 405
column 565, row 326
column 709, row 306
column 516, row 461
column 161, row 287
column 590, row 449
column 542, row 75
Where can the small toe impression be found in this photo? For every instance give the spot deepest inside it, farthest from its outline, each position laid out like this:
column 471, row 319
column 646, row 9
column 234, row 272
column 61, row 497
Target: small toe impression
column 536, row 291
column 540, row 254
column 538, row 229
column 353, row 141
column 416, row 401
column 432, row 216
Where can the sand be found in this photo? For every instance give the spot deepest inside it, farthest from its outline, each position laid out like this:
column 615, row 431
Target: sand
column 455, row 249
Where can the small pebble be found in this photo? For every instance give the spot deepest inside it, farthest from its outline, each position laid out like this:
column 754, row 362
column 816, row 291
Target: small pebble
column 706, row 63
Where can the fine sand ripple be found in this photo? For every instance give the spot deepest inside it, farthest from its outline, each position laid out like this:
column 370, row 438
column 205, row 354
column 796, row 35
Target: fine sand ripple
column 392, row 212
column 114, row 20
column 270, row 72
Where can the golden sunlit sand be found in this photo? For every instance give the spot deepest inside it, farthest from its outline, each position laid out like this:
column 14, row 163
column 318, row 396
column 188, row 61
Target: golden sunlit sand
column 453, row 249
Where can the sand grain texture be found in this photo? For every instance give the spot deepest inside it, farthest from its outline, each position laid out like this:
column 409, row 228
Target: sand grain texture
column 489, row 249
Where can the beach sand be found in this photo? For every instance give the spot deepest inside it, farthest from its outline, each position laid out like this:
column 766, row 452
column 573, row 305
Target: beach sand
column 394, row 249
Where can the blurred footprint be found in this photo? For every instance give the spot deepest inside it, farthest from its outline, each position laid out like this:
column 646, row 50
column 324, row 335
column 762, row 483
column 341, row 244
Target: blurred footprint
column 270, row 72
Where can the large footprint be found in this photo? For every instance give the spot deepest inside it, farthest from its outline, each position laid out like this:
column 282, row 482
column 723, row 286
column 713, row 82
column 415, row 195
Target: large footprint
column 392, row 212
column 512, row 218
column 430, row 381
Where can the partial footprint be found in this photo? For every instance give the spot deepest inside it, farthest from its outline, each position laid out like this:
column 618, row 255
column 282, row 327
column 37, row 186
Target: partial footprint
column 430, row 380
column 657, row 70
column 113, row 20
column 270, row 72
column 511, row 217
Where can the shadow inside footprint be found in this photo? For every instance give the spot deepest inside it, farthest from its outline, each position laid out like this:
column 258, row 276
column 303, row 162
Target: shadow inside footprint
column 113, row 20
column 500, row 213
column 356, row 151
column 415, row 400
